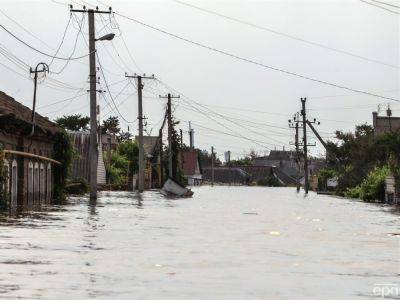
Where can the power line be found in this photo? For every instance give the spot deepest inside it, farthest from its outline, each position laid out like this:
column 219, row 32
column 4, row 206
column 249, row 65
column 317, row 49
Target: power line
column 39, row 51
column 255, row 62
column 385, row 3
column 285, row 34
column 62, row 40
column 381, row 7
column 109, row 92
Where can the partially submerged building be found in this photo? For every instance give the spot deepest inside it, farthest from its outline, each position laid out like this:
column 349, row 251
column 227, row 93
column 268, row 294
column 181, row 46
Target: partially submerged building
column 27, row 153
column 191, row 166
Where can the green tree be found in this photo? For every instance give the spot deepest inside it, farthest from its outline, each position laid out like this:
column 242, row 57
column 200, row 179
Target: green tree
column 75, row 122
column 111, row 126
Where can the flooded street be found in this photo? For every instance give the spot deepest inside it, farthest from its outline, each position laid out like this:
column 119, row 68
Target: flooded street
column 224, row 243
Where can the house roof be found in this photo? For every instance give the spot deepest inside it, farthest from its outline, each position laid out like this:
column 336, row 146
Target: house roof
column 281, row 155
column 10, row 108
column 190, row 161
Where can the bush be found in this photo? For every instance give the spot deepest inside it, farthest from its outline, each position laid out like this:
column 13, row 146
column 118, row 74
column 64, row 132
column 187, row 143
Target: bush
column 63, row 152
column 78, row 186
column 372, row 187
column 323, row 175
column 270, row 180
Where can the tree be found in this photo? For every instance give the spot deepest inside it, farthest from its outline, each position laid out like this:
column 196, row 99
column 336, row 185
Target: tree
column 111, row 126
column 363, row 161
column 124, row 136
column 73, row 122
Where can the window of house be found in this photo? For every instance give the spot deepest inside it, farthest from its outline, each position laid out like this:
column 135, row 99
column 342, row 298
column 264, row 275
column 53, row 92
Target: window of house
column 30, row 182
column 42, row 183
column 7, row 168
column 14, row 183
column 36, row 184
column 49, row 185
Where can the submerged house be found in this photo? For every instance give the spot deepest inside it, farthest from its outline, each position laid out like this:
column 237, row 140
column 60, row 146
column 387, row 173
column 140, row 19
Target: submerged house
column 191, row 167
column 27, row 153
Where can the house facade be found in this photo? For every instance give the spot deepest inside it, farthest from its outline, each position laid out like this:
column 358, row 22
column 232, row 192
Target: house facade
column 28, row 154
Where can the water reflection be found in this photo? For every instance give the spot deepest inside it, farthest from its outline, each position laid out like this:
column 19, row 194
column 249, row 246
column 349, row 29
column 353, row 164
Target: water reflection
column 225, row 243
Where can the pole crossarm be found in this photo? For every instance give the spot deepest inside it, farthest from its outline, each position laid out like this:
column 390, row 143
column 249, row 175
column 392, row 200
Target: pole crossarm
column 86, row 10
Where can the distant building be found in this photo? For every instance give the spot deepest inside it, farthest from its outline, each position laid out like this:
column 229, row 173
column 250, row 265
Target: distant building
column 384, row 124
column 27, row 157
column 226, row 175
column 286, row 169
column 191, row 167
column 109, row 142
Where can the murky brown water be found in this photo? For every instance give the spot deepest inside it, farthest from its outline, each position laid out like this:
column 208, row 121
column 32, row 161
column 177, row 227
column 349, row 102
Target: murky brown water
column 224, row 243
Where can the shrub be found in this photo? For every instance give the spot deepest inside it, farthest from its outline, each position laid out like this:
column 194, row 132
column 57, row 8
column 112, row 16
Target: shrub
column 270, row 180
column 78, row 186
column 372, row 187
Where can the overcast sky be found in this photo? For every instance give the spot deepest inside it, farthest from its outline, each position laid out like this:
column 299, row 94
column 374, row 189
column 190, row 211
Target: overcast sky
column 257, row 101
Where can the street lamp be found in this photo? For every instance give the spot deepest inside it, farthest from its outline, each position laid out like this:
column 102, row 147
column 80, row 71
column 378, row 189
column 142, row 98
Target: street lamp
column 107, row 37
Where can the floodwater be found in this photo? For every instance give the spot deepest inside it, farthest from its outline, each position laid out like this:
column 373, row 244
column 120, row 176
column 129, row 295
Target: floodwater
column 224, row 243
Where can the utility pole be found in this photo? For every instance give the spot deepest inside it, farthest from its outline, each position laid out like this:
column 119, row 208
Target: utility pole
column 45, row 69
column 297, row 144
column 170, row 128
column 303, row 113
column 161, row 176
column 93, row 156
column 180, row 130
column 140, row 118
column 212, row 165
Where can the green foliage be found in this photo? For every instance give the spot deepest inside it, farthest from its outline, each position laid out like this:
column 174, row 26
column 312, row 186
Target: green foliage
column 360, row 153
column 63, row 152
column 270, row 180
column 111, row 126
column 323, row 175
column 130, row 150
column 205, row 159
column 73, row 122
column 124, row 162
column 4, row 197
column 78, row 186
column 372, row 187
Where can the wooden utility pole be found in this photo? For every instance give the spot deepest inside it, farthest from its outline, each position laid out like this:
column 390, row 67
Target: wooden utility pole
column 303, row 113
column 180, row 130
column 212, row 165
column 45, row 69
column 297, row 154
column 141, row 161
column 170, row 128
column 296, row 144
column 93, row 155
column 161, row 175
